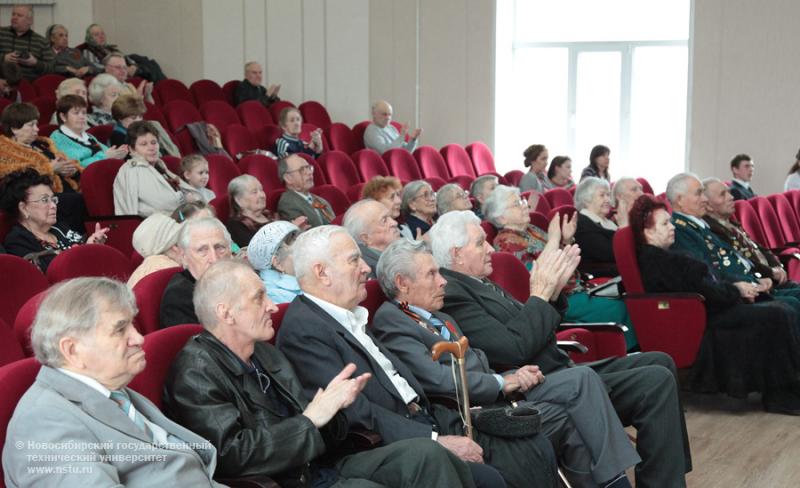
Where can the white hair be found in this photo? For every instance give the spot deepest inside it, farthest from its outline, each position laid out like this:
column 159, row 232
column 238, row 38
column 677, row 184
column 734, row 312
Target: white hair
column 446, row 196
column 449, row 232
column 98, row 87
column 586, row 190
column 205, row 223
column 219, row 284
column 355, row 219
column 72, row 309
column 476, row 188
column 496, row 204
column 410, row 192
column 398, row 259
column 313, row 247
column 678, row 185
column 708, row 181
column 618, row 187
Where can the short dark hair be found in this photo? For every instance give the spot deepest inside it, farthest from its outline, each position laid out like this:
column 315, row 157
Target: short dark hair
column 640, row 216
column 737, row 160
column 16, row 115
column 185, row 211
column 556, row 163
column 138, row 129
column 67, row 103
column 532, row 153
column 14, row 188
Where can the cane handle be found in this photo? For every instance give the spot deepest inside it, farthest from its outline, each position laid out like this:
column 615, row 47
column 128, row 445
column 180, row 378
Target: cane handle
column 457, row 349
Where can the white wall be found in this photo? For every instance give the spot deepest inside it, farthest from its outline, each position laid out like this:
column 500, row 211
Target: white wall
column 75, row 15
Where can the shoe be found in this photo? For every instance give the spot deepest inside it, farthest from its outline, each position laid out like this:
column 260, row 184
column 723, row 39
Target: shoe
column 785, row 402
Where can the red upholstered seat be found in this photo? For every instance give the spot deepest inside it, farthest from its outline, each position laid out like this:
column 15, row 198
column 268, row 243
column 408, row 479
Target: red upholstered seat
column 769, row 222
column 228, row 89
column 97, row 186
column 273, row 197
column 26, row 91
column 339, row 169
column 222, row 207
column 254, row 115
column 375, row 297
column 24, row 321
column 276, row 108
column 160, row 349
column 89, row 260
column 539, row 220
column 220, row 114
column 178, row 113
column 490, row 231
column 561, row 210
column 22, row 281
column 15, row 379
column 794, row 198
column 266, row 137
column 354, row 192
column 205, row 91
column 673, row 323
column 645, row 186
column 46, row 85
column 46, row 107
column 315, row 113
column 369, row 164
column 402, row 164
column 513, row 177
column 457, row 160
column 558, row 197
column 336, row 197
column 221, row 170
column 341, row 138
column 238, row 141
column 10, row 349
column 264, row 168
column 168, row 90
column 786, row 217
column 747, row 216
column 482, row 158
column 437, row 183
column 120, row 231
column 358, row 132
column 148, row 292
column 541, row 204
column 173, row 164
column 154, row 113
column 431, row 162
column 101, row 132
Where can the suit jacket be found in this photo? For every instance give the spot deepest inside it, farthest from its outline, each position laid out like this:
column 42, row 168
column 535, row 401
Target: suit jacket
column 62, row 413
column 762, row 258
column 371, row 257
column 509, row 332
column 292, row 205
column 741, row 192
column 208, row 391
column 597, row 247
column 412, row 342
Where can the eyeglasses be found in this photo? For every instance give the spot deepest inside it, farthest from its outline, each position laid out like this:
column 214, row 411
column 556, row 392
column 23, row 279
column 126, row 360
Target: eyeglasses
column 46, row 200
column 304, row 169
column 427, row 195
column 464, row 195
column 522, row 203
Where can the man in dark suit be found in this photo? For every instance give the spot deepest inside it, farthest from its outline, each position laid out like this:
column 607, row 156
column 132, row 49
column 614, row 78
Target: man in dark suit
column 642, row 387
column 236, row 389
column 742, row 169
column 577, row 415
column 298, row 176
column 325, row 329
column 370, row 223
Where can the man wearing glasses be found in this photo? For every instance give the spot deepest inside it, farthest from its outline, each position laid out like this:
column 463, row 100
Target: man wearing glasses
column 298, row 176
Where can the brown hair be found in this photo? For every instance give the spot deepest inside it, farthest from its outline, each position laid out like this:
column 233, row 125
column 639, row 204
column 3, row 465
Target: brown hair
column 532, row 153
column 128, row 106
column 67, row 103
column 379, row 186
column 285, row 114
column 190, row 161
column 640, row 216
column 138, row 129
column 16, row 115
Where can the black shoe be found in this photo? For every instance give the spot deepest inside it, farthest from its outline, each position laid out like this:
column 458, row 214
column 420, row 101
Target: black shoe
column 785, row 402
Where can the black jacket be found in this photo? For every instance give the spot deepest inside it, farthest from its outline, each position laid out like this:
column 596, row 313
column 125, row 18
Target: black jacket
column 246, row 91
column 177, row 306
column 597, row 247
column 740, row 192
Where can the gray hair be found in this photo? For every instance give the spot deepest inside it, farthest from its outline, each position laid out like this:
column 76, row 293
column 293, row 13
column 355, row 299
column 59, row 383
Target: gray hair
column 248, row 64
column 72, row 309
column 409, row 192
column 480, row 182
column 354, row 219
column 708, row 181
column 677, row 185
column 446, row 196
column 398, row 259
column 496, row 204
column 616, row 190
column 586, row 190
column 112, row 55
column 64, row 87
column 98, row 87
column 313, row 247
column 449, row 232
column 219, row 284
column 236, row 188
column 205, row 223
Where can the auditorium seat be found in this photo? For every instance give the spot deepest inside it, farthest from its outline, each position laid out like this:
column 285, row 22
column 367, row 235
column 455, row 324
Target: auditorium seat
column 264, row 168
column 228, row 89
column 26, row 91
column 238, row 141
column 339, row 169
column 431, row 162
column 769, row 222
column 10, row 350
column 220, row 114
column 786, row 217
column 178, row 113
column 436, row 183
column 173, row 164
column 97, row 186
column 354, row 192
column 276, row 108
column 222, row 206
column 101, row 132
column 15, row 379
column 167, row 90
column 254, row 115
column 375, row 297
column 341, row 138
column 513, row 177
column 482, row 158
column 402, row 164
column 46, row 85
column 559, row 196
column 541, row 203
column 148, row 292
column 273, row 197
column 358, row 133
column 561, row 210
column 24, row 321
column 27, row 281
column 206, row 91
column 539, row 220
column 89, row 260
column 120, row 230
column 46, row 107
column 747, row 216
column 336, row 197
column 221, row 170
column 794, row 198
column 646, row 188
column 315, row 113
column 457, row 160
column 369, row 164
column 266, row 137
column 155, row 114
column 490, row 230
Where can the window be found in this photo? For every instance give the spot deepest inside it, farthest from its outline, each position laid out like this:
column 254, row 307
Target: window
column 576, row 73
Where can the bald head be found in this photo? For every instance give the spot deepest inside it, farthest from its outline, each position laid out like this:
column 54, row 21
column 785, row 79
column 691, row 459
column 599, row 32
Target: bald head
column 381, row 113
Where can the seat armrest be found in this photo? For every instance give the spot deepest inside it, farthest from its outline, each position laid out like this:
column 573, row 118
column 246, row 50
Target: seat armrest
column 572, row 346
column 595, row 326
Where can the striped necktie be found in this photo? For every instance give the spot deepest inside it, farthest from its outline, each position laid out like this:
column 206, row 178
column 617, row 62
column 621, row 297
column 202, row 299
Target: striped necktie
column 124, row 402
column 440, row 327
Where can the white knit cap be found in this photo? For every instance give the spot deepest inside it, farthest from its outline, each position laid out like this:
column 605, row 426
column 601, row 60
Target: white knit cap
column 155, row 235
column 265, row 243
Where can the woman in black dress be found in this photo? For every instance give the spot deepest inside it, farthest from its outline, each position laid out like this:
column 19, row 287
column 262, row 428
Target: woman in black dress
column 747, row 347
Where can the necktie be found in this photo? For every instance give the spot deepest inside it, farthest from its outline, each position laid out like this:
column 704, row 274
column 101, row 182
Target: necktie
column 320, row 206
column 440, row 327
column 124, row 402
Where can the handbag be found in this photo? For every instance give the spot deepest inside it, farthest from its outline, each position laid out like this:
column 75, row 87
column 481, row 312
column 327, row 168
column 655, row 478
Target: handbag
column 520, row 419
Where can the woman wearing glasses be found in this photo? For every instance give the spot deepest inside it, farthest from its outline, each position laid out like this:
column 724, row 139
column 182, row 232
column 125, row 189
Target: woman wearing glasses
column 418, row 207
column 38, row 236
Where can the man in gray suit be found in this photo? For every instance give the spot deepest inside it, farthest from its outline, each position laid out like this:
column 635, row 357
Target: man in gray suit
column 577, row 415
column 370, row 223
column 298, row 176
column 78, row 424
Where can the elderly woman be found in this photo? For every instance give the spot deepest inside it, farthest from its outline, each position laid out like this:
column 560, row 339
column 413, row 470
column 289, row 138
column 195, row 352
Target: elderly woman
column 595, row 233
column 452, row 197
column 387, row 190
column 536, row 160
column 143, row 184
column 480, row 189
column 509, row 213
column 598, row 163
column 95, row 48
column 418, row 207
column 291, row 121
column 70, row 86
column 67, row 61
column 559, row 174
column 27, row 196
column 249, row 212
column 156, row 240
column 270, row 254
column 747, row 346
column 71, row 136
column 103, row 91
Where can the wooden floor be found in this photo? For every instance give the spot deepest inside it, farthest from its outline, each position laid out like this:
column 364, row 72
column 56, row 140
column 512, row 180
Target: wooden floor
column 736, row 444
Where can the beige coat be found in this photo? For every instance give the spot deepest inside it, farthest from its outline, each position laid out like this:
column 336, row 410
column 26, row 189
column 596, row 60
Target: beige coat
column 139, row 189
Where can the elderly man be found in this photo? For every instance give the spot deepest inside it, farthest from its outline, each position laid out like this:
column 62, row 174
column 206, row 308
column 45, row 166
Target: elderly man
column 80, row 418
column 298, row 176
column 742, row 169
column 624, row 192
column 20, row 46
column 381, row 135
column 577, row 415
column 370, row 223
column 642, row 387
column 251, row 88
column 325, row 329
column 480, row 189
column 452, row 197
column 253, row 408
column 201, row 243
column 116, row 65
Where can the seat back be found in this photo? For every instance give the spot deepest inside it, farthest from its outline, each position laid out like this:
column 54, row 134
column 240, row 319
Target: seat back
column 22, row 280
column 276, row 108
column 168, row 90
column 89, row 260
column 558, row 197
column 238, row 140
column 769, row 222
column 120, row 231
column 354, row 192
column 341, row 138
column 457, row 160
column 542, row 206
column 539, row 220
column 490, row 230
column 513, row 177
column 358, row 133
column 228, row 89
column 97, row 186
column 315, row 113
column 24, row 321
column 26, row 91
column 510, row 274
column 431, row 163
column 481, row 157
column 266, row 137
column 786, row 216
column 254, row 115
column 375, row 297
column 264, row 168
column 148, row 292
column 101, row 132
column 339, row 169
column 794, row 199
column 160, row 349
column 336, row 197
column 10, row 349
column 627, row 264
column 46, row 85
column 402, row 164
column 221, row 170
column 178, row 113
column 751, row 224
column 645, row 186
column 155, row 114
column 15, row 379
column 273, row 197
column 219, row 113
column 369, row 164
column 46, row 107
column 206, row 91
column 222, row 206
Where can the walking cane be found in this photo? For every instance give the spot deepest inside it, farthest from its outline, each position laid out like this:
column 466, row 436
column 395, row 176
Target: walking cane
column 458, row 349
